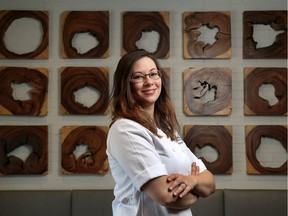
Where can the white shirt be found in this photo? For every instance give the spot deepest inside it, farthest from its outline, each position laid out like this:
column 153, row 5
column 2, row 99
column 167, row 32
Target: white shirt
column 136, row 156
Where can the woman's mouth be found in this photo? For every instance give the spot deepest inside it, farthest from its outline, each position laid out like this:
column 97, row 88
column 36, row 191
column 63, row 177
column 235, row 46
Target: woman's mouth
column 149, row 91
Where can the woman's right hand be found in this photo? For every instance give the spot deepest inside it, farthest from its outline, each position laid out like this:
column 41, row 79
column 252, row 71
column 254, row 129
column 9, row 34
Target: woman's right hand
column 181, row 184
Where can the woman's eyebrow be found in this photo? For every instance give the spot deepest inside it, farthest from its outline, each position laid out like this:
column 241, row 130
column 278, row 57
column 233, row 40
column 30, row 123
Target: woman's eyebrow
column 143, row 72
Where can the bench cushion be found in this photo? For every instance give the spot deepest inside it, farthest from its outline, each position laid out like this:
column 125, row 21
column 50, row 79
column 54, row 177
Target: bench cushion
column 210, row 206
column 35, row 203
column 92, row 202
column 255, row 202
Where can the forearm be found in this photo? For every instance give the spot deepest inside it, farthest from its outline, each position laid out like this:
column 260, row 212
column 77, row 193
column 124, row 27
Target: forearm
column 169, row 190
column 184, row 202
column 205, row 184
column 158, row 190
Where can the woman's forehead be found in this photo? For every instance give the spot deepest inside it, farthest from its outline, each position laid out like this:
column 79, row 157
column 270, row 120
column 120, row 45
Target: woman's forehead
column 144, row 64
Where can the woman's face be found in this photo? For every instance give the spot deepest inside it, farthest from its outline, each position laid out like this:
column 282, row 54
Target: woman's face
column 146, row 92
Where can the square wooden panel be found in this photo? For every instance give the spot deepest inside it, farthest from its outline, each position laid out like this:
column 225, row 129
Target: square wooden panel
column 207, row 91
column 196, row 49
column 13, row 137
column 93, row 23
column 219, row 137
column 254, row 79
column 75, row 78
column 277, row 20
column 136, row 23
column 253, row 135
column 94, row 159
column 36, row 78
column 7, row 18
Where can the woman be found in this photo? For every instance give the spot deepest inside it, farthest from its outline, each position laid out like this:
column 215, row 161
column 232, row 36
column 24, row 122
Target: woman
column 149, row 162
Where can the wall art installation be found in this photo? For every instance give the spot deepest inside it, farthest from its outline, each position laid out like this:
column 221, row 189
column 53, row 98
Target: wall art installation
column 96, row 23
column 37, row 78
column 254, row 78
column 75, row 78
column 199, row 83
column 194, row 48
column 277, row 20
column 253, row 135
column 217, row 137
column 8, row 17
column 92, row 161
column 11, row 138
column 136, row 23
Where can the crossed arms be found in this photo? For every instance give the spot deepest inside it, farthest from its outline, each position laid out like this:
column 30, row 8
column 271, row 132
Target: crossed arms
column 179, row 191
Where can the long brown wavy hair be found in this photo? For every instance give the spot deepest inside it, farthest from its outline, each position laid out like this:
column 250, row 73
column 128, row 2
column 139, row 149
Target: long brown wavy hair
column 125, row 106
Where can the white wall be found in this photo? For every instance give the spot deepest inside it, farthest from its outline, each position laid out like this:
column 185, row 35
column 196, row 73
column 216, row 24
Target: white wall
column 238, row 179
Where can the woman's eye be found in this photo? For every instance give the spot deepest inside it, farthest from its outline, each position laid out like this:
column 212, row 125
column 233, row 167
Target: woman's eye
column 153, row 74
column 137, row 77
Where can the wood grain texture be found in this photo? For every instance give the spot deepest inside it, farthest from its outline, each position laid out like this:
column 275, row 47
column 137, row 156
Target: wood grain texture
column 95, row 23
column 198, row 82
column 74, row 78
column 35, row 77
column 6, row 19
column 254, row 78
column 12, row 137
column 218, row 137
column 277, row 20
column 94, row 160
column 193, row 48
column 253, row 134
column 135, row 23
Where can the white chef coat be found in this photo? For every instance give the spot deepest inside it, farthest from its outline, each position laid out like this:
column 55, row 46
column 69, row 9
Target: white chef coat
column 136, row 156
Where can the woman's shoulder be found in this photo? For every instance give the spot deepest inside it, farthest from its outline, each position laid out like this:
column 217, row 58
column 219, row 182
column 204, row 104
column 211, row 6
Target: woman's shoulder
column 124, row 121
column 124, row 124
column 127, row 127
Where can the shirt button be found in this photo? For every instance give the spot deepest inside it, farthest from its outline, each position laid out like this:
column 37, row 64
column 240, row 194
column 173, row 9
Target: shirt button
column 125, row 200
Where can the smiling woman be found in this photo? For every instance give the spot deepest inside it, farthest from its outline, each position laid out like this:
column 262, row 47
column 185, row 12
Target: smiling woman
column 146, row 84
column 154, row 171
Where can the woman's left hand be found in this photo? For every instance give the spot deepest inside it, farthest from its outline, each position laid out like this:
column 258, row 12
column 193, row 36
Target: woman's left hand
column 183, row 184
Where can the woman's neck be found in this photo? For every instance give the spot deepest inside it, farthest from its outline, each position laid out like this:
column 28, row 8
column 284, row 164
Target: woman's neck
column 150, row 112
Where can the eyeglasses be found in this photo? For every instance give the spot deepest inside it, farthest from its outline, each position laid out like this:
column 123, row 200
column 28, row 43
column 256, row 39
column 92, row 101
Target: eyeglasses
column 139, row 77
